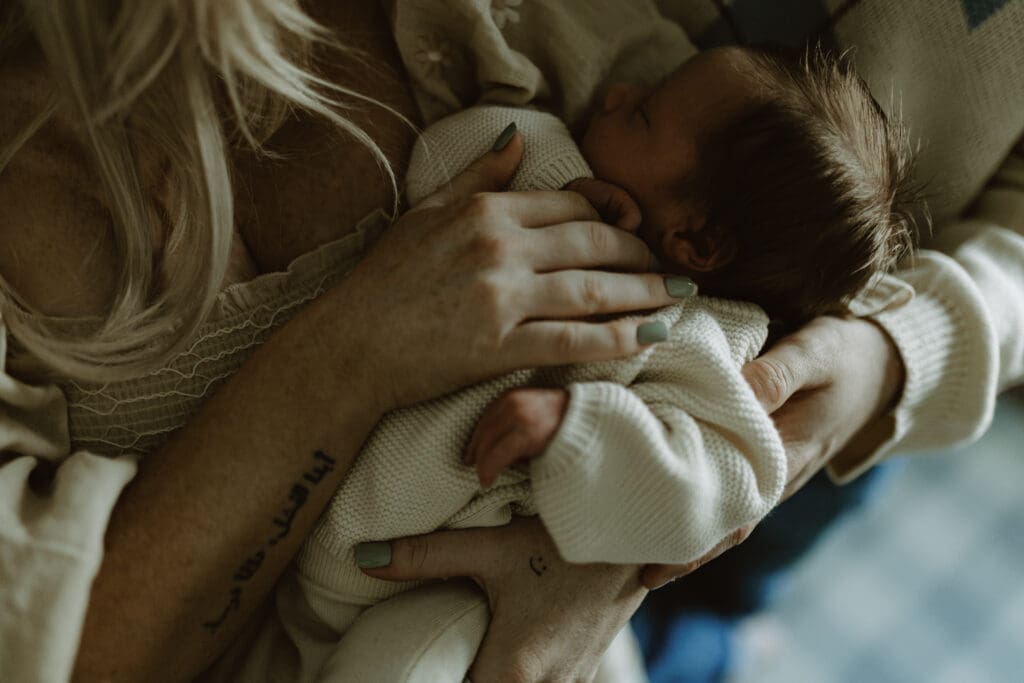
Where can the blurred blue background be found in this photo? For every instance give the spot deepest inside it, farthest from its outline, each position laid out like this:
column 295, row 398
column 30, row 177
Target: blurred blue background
column 925, row 582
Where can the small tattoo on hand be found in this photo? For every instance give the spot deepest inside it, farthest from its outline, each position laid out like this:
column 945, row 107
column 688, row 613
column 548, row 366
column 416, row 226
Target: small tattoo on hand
column 538, row 565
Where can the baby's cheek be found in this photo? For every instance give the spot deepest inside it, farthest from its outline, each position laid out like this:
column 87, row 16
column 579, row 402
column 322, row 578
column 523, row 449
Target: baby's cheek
column 600, row 143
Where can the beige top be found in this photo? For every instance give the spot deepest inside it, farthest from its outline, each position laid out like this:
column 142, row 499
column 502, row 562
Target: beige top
column 89, row 435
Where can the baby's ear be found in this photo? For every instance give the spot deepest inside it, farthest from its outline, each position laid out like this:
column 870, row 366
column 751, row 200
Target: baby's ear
column 700, row 247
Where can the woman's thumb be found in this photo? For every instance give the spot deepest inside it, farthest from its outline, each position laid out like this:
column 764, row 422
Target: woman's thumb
column 773, row 377
column 489, row 173
column 437, row 555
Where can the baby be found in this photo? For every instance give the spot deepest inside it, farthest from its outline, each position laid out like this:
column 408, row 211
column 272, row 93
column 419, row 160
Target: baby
column 761, row 178
column 763, row 175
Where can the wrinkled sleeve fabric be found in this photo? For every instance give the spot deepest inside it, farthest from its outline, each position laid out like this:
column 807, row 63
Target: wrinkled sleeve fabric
column 550, row 156
column 961, row 337
column 54, row 509
column 548, row 54
column 664, row 469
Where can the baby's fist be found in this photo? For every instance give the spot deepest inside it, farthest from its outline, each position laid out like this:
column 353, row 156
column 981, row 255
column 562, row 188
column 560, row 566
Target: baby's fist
column 516, row 426
column 615, row 205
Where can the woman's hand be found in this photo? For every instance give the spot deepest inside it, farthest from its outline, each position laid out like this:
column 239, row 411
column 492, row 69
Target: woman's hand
column 473, row 283
column 824, row 386
column 550, row 620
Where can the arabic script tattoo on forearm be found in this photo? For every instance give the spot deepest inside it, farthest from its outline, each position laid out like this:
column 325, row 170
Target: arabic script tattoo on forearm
column 282, row 523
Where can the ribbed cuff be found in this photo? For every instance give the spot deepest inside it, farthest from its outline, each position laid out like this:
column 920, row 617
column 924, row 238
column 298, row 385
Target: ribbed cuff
column 557, row 173
column 597, row 486
column 948, row 347
column 575, row 438
column 882, row 293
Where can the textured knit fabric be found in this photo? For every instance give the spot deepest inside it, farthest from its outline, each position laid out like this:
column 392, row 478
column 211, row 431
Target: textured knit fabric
column 550, row 157
column 658, row 458
column 958, row 67
column 546, row 54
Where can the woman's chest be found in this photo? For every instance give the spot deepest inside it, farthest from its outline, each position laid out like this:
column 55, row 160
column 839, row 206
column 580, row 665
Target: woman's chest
column 315, row 190
column 323, row 180
column 316, row 193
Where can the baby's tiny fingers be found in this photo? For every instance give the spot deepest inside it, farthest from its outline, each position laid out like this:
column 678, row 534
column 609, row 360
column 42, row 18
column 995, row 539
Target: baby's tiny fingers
column 629, row 219
column 515, row 445
column 469, row 455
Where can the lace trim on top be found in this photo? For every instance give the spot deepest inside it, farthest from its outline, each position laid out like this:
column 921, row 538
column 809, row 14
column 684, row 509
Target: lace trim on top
column 139, row 414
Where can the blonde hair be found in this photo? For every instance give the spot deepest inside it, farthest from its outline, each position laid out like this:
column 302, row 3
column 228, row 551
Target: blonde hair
column 162, row 71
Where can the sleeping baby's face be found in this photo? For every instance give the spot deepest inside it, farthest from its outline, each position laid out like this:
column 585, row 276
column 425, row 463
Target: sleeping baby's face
column 647, row 140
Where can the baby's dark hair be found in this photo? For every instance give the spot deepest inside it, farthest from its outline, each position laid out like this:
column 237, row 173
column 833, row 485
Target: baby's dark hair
column 814, row 185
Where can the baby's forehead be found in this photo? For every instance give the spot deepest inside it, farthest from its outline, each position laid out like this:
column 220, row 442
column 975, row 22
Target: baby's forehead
column 710, row 86
column 721, row 69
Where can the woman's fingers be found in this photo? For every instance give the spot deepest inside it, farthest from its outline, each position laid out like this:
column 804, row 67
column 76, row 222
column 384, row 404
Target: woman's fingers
column 539, row 603
column 489, row 173
column 437, row 555
column 586, row 244
column 577, row 293
column 543, row 343
column 541, row 208
column 796, row 362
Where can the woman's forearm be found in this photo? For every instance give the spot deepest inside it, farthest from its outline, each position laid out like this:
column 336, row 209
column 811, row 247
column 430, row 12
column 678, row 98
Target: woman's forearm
column 201, row 535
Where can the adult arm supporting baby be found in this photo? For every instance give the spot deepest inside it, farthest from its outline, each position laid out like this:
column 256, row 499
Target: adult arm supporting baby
column 961, row 339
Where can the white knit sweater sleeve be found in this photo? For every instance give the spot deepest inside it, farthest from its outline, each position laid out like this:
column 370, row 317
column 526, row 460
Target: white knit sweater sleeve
column 664, row 469
column 550, row 157
column 961, row 338
column 51, row 529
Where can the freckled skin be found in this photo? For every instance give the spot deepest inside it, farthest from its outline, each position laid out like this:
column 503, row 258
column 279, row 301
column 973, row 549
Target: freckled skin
column 283, row 207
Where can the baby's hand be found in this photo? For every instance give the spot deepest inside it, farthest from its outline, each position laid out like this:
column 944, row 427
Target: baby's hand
column 614, row 204
column 517, row 426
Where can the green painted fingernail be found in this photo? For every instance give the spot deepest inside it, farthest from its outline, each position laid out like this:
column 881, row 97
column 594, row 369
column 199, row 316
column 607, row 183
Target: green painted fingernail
column 680, row 287
column 373, row 555
column 504, row 138
column 651, row 333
